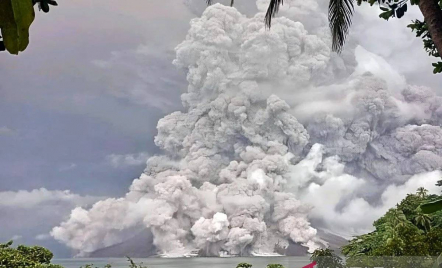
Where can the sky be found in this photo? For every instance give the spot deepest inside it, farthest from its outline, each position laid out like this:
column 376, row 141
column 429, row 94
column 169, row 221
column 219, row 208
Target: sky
column 79, row 108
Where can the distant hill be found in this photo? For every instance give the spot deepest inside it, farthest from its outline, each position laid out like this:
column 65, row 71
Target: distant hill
column 335, row 242
column 141, row 246
column 138, row 246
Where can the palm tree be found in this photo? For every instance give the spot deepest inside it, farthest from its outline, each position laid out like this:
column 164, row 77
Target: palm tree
column 340, row 13
column 424, row 221
column 398, row 218
column 433, row 207
column 422, row 192
column 395, row 220
column 209, row 2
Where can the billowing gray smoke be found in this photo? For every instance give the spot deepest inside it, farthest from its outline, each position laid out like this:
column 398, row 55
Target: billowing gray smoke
column 279, row 135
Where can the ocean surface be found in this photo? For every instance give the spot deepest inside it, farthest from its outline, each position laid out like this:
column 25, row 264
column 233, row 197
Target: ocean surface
column 257, row 262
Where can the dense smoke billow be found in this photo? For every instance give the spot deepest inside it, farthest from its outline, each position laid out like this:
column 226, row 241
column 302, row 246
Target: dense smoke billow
column 280, row 137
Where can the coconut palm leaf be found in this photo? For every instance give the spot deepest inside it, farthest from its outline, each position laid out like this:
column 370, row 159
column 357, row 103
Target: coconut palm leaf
column 272, row 10
column 340, row 13
column 422, row 192
column 424, row 221
column 209, row 2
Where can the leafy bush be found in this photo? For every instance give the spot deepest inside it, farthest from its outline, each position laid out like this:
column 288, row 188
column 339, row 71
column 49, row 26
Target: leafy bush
column 92, row 266
column 244, row 265
column 25, row 257
column 406, row 230
column 134, row 265
column 275, row 265
column 326, row 258
column 39, row 257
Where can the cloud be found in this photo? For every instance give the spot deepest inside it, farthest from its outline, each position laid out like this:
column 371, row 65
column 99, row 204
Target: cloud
column 125, row 160
column 67, row 167
column 16, row 237
column 30, row 215
column 6, row 131
column 41, row 197
column 339, row 199
column 43, row 237
column 141, row 76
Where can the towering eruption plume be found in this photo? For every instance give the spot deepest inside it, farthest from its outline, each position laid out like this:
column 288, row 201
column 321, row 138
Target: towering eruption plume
column 244, row 170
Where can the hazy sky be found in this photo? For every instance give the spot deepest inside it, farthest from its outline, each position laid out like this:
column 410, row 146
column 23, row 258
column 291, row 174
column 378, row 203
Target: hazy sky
column 78, row 109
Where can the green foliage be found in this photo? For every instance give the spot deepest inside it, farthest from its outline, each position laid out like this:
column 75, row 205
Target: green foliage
column 326, row 258
column 44, row 4
column 423, row 221
column 437, row 219
column 16, row 17
column 36, row 253
column 39, row 257
column 406, row 230
column 421, row 29
column 340, row 13
column 134, row 265
column 92, row 266
column 422, row 192
column 409, row 205
column 25, row 257
column 244, row 265
column 275, row 265
column 432, row 207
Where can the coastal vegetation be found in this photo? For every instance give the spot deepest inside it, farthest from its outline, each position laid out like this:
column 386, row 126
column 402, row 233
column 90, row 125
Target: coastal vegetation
column 408, row 235
column 132, row 264
column 25, row 257
column 405, row 230
column 38, row 257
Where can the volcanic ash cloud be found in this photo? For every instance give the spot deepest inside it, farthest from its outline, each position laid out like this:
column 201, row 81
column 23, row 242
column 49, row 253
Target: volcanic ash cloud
column 244, row 170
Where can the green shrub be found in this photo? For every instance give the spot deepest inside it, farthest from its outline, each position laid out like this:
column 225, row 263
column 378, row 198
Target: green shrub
column 326, row 258
column 134, row 265
column 92, row 266
column 25, row 257
column 244, row 265
column 275, row 265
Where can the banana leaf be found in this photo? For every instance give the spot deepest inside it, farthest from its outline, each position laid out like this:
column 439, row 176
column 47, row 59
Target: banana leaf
column 431, row 207
column 16, row 16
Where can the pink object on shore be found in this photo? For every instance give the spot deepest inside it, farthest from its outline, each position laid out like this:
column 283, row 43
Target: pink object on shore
column 311, row 265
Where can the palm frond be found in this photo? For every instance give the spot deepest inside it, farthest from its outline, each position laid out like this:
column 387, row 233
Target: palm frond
column 340, row 13
column 209, row 2
column 272, row 10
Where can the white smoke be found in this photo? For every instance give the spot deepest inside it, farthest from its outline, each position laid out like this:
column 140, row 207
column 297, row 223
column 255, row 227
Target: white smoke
column 241, row 174
column 337, row 197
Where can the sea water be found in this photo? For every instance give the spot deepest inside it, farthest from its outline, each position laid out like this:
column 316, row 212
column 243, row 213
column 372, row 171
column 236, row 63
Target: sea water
column 257, row 262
